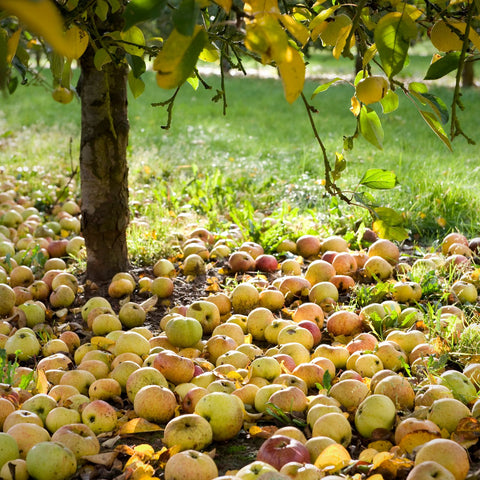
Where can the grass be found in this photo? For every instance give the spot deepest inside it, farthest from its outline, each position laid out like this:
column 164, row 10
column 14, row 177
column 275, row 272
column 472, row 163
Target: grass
column 261, row 157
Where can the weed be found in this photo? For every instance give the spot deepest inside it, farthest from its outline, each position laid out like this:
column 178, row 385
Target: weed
column 8, row 369
column 285, row 418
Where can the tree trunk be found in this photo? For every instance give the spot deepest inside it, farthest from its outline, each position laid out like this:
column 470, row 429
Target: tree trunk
column 103, row 166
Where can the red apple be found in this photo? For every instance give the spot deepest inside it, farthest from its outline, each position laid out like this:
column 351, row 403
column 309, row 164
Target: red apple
column 266, row 263
column 279, row 450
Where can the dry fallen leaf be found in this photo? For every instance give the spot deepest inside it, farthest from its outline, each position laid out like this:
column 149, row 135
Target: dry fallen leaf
column 467, row 432
column 413, row 440
column 262, row 432
column 138, row 425
column 333, row 458
column 106, row 459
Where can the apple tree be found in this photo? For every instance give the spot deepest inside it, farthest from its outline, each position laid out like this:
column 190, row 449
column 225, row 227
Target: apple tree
column 106, row 40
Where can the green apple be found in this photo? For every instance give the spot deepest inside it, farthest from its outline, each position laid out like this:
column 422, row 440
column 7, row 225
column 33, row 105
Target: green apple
column 59, row 416
column 92, row 303
column 254, row 470
column 333, row 425
column 25, row 341
column 461, row 386
column 224, row 412
column 190, row 465
column 8, row 448
column 447, row 412
column 41, row 404
column 34, row 313
column 51, row 461
column 184, row 332
column 376, row 411
column 189, row 431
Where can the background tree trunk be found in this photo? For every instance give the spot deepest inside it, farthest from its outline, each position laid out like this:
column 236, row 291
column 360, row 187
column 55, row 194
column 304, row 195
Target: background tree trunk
column 103, row 166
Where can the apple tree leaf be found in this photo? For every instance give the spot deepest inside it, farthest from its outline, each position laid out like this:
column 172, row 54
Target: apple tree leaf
column 371, row 127
column 379, row 179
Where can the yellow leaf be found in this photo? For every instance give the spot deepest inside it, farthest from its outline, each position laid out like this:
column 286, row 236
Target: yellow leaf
column 225, row 4
column 144, row 449
column 297, row 29
column 381, row 445
column 413, row 440
column 342, row 41
column 12, row 44
column 138, row 425
column 209, row 53
column 267, row 38
column 367, row 455
column 381, row 457
column 376, row 476
column 262, row 432
column 102, row 342
column 77, row 41
column 411, row 10
column 320, row 19
column 292, row 73
column 356, row 106
column 41, row 385
column 259, row 8
column 391, row 465
column 333, row 458
column 42, row 18
column 369, row 54
column 139, row 471
column 178, row 57
column 234, row 375
column 474, row 37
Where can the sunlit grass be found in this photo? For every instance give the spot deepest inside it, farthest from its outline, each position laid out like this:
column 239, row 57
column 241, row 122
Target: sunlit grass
column 262, row 153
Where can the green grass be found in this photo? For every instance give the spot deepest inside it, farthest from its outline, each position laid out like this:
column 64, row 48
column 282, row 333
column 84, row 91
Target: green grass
column 261, row 156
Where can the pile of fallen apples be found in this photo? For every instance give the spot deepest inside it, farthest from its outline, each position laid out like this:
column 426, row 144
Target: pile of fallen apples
column 359, row 398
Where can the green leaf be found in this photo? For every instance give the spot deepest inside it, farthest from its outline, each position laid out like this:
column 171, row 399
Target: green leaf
column 389, row 102
column 137, row 86
column 185, row 17
column 138, row 11
column 133, row 37
column 379, row 179
column 418, row 87
column 137, row 65
column 101, row 10
column 371, row 127
column 340, row 165
column 114, row 5
column 437, row 128
column 389, row 224
column 325, row 86
column 194, row 81
column 392, row 37
column 101, row 58
column 438, row 106
column 443, row 66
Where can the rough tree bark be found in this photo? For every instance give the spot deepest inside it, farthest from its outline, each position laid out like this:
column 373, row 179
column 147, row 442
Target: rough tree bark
column 103, row 166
